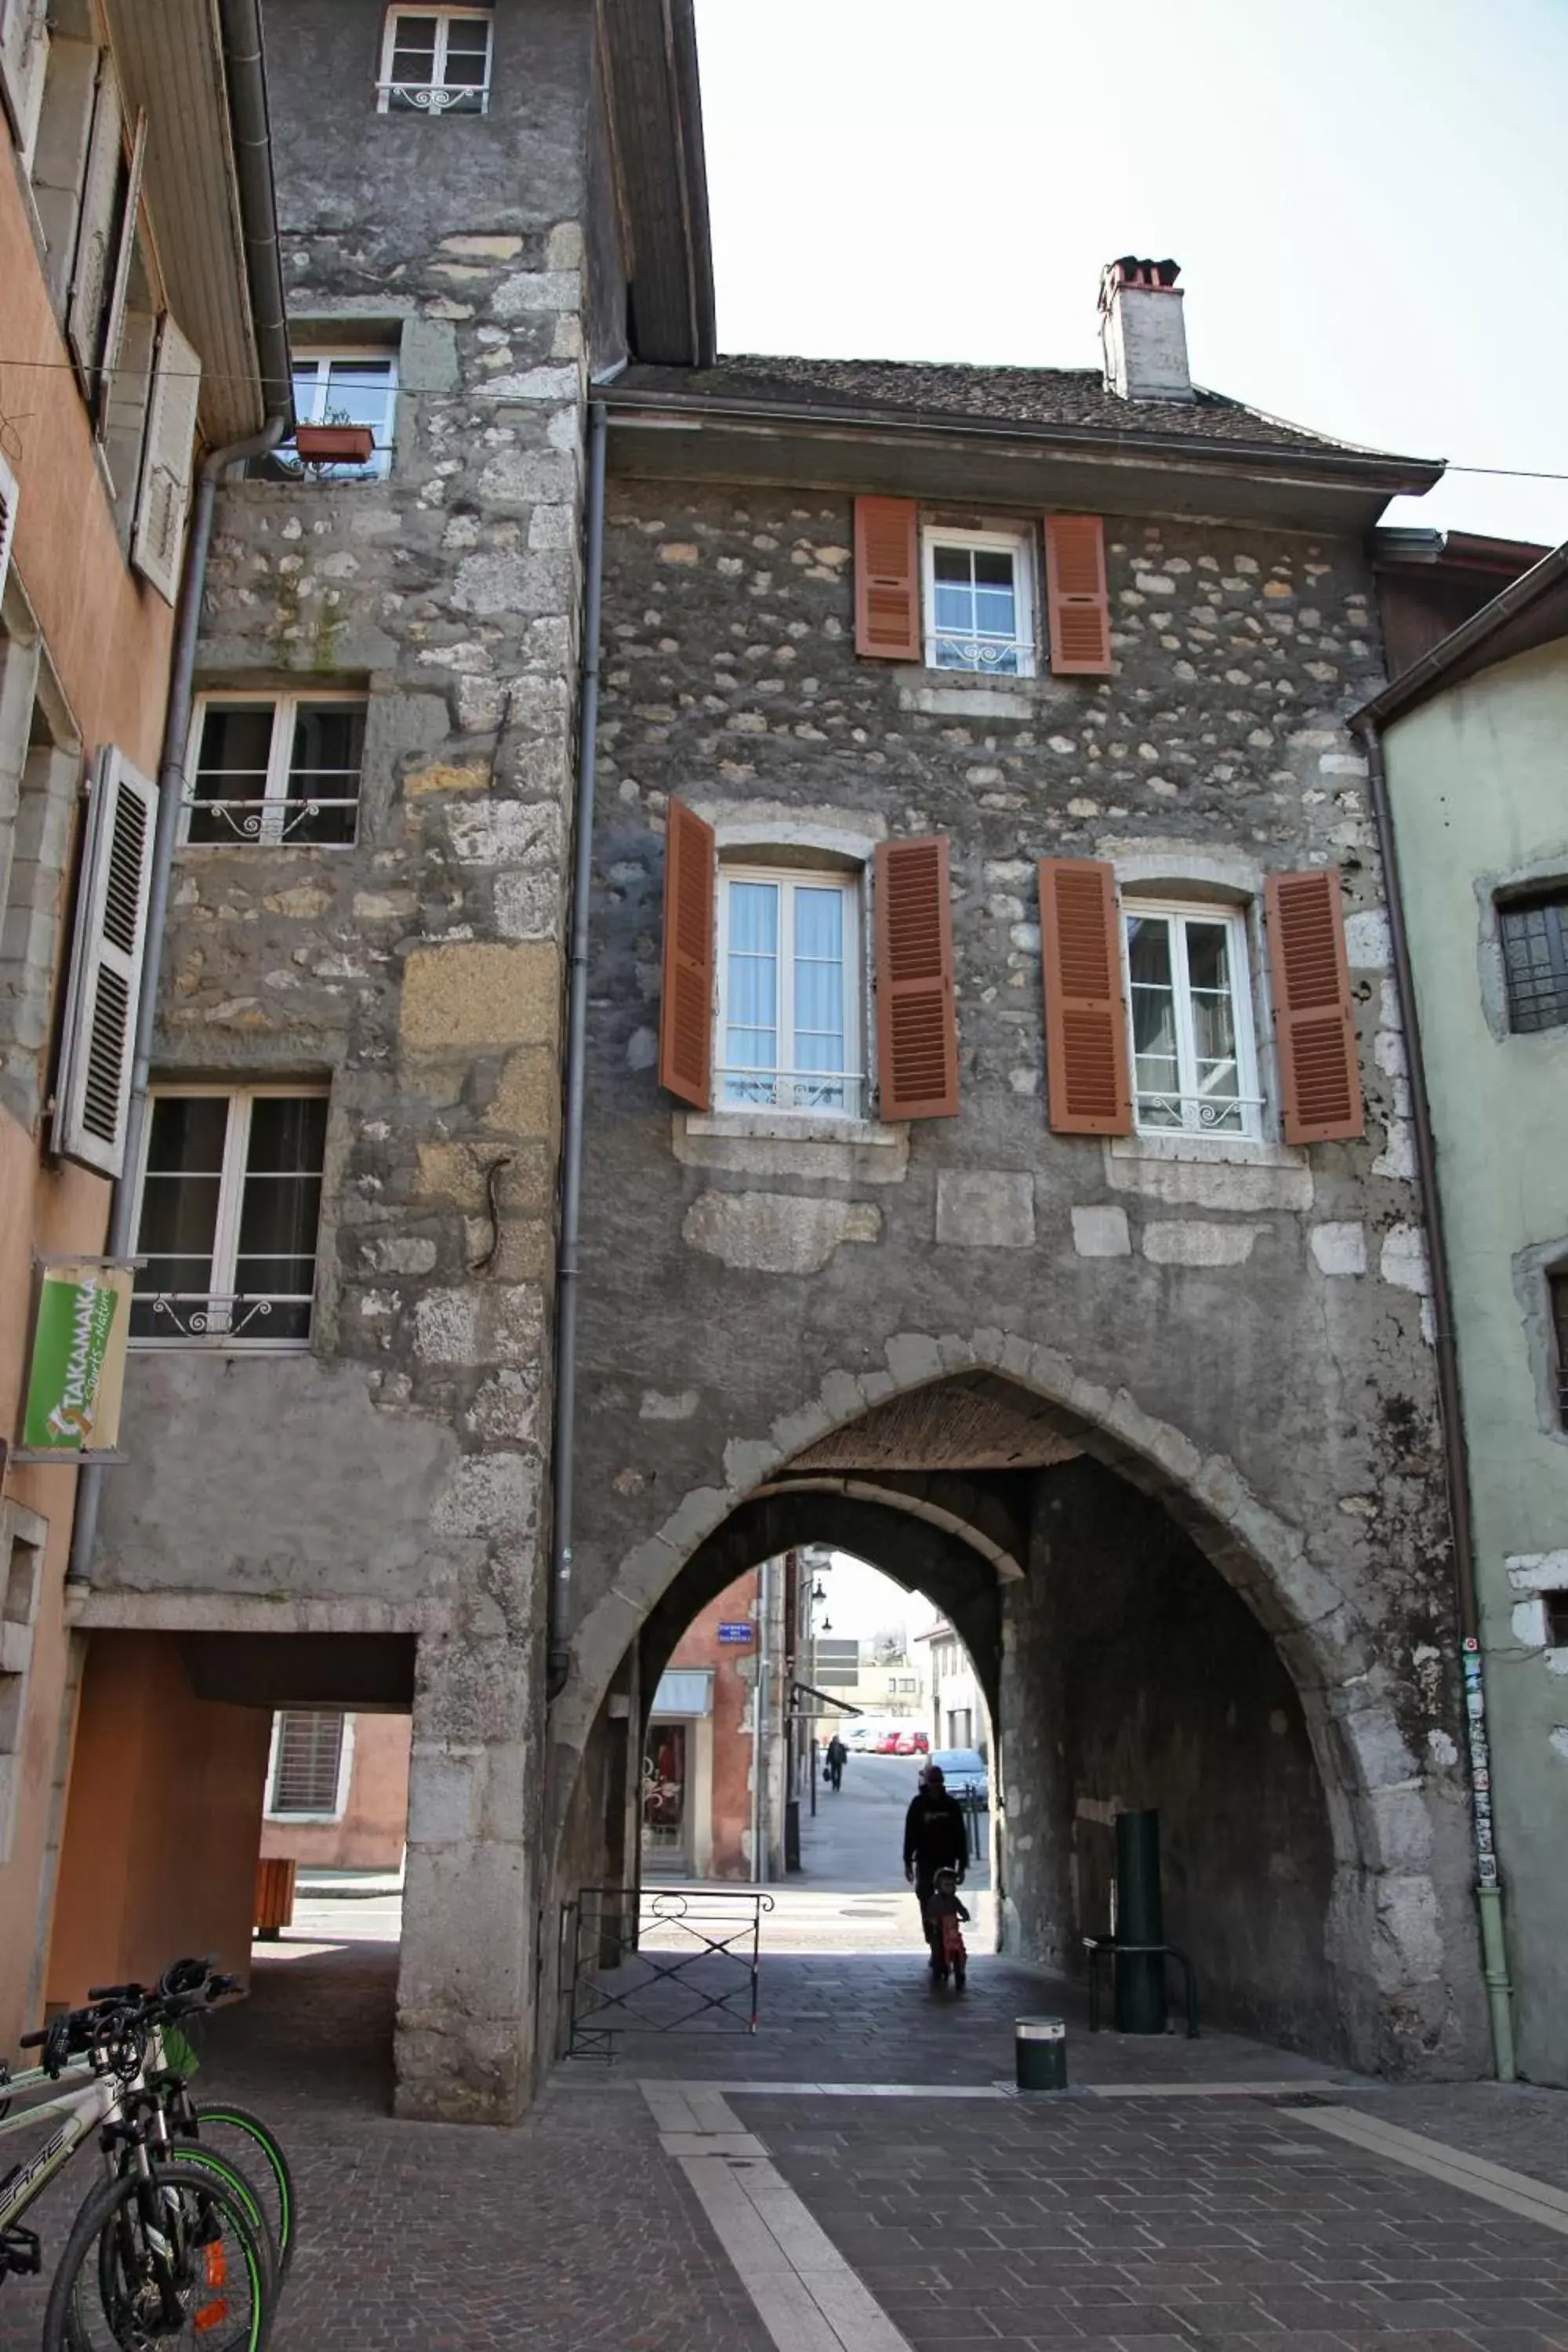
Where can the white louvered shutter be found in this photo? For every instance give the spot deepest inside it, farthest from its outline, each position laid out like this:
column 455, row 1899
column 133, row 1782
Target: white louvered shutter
column 159, row 535
column 23, row 53
column 7, row 519
column 99, row 1036
column 95, row 236
column 114, row 325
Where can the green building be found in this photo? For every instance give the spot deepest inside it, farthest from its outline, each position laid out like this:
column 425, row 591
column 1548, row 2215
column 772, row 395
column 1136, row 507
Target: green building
column 1474, row 740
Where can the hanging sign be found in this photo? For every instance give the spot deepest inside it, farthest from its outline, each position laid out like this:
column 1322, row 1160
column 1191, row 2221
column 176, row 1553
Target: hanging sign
column 734, row 1633
column 77, row 1373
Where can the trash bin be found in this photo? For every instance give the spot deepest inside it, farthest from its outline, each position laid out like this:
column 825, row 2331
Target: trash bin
column 1041, row 2053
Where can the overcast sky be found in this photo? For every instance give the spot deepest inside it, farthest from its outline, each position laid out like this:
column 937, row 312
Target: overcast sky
column 1368, row 198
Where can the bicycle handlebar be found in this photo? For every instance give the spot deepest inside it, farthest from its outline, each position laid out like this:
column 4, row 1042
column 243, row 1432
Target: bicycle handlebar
column 114, row 2029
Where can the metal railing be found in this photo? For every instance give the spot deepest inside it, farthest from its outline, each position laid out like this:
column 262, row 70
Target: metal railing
column 992, row 657
column 271, row 821
column 1205, row 1114
column 187, row 1314
column 432, row 97
column 673, row 1959
column 834, row 1091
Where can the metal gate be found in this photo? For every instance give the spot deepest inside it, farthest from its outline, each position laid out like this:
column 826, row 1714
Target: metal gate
column 687, row 1960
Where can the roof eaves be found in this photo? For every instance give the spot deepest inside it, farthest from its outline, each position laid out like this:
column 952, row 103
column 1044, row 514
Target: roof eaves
column 1399, row 474
column 1433, row 670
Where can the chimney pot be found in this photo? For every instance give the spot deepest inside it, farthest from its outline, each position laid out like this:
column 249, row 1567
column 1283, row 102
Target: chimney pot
column 1142, row 334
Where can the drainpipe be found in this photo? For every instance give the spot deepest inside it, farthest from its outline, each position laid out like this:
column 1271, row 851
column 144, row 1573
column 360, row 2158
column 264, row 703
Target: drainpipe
column 1488, row 1889
column 558, row 1656
column 244, row 76
column 761, row 1700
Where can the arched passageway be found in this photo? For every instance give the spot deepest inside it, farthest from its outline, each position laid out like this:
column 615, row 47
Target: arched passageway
column 1143, row 1639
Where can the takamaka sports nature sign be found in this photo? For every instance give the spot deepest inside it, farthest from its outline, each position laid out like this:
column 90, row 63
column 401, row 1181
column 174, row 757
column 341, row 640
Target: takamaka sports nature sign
column 78, row 1371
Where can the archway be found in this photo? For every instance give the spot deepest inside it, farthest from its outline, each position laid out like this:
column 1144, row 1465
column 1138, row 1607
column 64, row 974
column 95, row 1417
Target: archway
column 966, row 1448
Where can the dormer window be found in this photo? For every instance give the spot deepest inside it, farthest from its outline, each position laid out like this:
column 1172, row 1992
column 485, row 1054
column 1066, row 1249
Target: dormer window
column 435, row 61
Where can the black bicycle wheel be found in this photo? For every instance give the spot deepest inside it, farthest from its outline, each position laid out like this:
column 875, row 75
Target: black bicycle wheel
column 156, row 2262
column 249, row 2143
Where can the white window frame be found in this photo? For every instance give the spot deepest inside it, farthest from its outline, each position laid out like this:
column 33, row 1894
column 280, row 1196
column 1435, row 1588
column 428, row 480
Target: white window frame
column 216, row 1332
column 787, row 879
column 275, row 812
column 326, row 356
column 1019, row 546
column 438, row 95
column 1135, row 905
column 345, row 1768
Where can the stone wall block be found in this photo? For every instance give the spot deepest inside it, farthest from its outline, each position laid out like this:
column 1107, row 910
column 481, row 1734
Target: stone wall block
column 477, row 995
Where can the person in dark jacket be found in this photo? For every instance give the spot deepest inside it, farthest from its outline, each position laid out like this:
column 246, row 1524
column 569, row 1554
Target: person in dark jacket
column 935, row 1838
column 836, row 1752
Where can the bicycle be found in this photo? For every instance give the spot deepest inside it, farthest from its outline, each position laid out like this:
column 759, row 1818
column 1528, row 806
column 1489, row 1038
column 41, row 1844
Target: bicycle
column 180, row 2232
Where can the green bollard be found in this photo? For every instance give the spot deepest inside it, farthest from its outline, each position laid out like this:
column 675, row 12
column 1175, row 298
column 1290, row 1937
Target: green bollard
column 1140, row 2001
column 1041, row 2053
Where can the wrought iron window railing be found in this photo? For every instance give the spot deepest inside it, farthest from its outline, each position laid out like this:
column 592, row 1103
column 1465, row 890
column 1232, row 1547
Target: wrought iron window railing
column 186, row 1318
column 432, row 97
column 837, row 1092
column 993, row 656
column 1200, row 1114
column 322, row 820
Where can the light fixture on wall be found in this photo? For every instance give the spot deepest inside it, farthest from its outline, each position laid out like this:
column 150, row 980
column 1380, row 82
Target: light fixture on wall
column 819, row 1590
column 826, row 1627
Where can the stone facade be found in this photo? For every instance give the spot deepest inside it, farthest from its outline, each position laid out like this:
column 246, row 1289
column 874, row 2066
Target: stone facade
column 392, row 1478
column 1238, row 1331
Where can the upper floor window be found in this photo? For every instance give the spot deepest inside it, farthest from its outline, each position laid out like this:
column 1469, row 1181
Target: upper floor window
column 1193, row 1063
column 230, row 1203
column 346, row 388
column 276, row 768
column 1534, row 935
column 979, row 605
column 788, row 961
column 435, row 61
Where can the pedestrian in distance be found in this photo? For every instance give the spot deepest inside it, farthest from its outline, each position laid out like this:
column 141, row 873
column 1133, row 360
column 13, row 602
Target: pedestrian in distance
column 832, row 1771
column 947, row 1913
column 936, row 1837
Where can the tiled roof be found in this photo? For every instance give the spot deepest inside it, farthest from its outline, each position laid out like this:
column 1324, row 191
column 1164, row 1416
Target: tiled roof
column 918, row 390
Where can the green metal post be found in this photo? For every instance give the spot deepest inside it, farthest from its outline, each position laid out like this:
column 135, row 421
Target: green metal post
column 1140, row 2005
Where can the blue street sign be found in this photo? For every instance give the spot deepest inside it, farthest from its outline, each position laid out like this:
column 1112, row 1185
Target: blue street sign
column 734, row 1633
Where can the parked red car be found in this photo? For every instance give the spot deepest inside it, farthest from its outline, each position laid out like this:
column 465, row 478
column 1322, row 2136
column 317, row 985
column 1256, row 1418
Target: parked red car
column 913, row 1743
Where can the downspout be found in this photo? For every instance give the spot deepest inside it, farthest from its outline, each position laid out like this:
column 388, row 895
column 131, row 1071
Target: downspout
column 246, row 85
column 558, row 1656
column 1488, row 1889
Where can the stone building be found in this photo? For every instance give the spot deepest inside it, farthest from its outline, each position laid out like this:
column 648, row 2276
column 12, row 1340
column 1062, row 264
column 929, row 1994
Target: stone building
column 1105, row 1321
column 1098, row 1315
column 338, row 1415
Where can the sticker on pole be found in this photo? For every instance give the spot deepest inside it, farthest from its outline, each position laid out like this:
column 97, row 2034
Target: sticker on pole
column 77, row 1373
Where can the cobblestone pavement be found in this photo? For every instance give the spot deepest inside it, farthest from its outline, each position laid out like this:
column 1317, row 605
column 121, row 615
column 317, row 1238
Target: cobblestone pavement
column 1141, row 2225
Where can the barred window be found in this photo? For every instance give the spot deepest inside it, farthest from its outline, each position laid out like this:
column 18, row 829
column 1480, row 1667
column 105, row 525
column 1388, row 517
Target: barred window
column 1535, row 961
column 307, row 1762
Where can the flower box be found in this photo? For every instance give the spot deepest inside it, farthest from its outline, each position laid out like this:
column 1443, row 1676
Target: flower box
column 334, row 444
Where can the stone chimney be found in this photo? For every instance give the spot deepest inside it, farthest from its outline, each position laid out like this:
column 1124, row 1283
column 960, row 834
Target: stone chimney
column 1141, row 332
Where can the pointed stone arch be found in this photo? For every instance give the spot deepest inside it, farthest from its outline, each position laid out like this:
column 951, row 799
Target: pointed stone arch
column 1395, row 1819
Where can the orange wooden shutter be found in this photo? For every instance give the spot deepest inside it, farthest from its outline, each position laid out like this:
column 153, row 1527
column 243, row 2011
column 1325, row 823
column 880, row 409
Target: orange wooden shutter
column 917, row 1023
column 1078, row 606
column 886, row 580
column 1087, row 1077
column 685, row 1006
column 1319, row 1067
